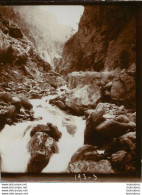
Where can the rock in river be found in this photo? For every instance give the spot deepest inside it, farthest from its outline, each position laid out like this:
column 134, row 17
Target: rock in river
column 86, row 152
column 25, row 103
column 99, row 167
column 87, row 159
column 41, row 148
column 11, row 112
column 16, row 102
column 49, row 129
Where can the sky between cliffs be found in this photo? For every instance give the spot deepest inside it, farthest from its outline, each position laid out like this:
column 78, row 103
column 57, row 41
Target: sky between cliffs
column 67, row 14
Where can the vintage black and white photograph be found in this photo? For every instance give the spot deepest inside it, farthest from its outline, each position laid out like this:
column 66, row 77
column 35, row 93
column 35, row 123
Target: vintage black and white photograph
column 68, row 90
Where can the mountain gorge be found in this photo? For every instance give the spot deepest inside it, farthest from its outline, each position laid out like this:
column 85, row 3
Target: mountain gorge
column 79, row 88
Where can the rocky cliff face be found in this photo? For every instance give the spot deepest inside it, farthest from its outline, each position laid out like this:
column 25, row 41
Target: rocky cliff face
column 105, row 40
column 43, row 30
column 20, row 59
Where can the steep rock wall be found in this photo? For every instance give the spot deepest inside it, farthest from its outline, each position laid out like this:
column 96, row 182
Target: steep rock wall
column 105, row 40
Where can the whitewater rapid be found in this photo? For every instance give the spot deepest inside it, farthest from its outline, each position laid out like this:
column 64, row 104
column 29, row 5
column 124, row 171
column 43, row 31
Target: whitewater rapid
column 13, row 142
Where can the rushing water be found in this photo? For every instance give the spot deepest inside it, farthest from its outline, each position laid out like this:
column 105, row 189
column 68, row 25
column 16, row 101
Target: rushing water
column 13, row 142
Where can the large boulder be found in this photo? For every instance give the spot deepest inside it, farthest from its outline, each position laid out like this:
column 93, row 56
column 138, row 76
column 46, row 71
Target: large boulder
column 124, row 88
column 16, row 102
column 117, row 90
column 60, row 105
column 122, row 153
column 91, row 136
column 99, row 167
column 69, row 107
column 54, row 131
column 105, row 122
column 7, row 97
column 41, row 147
column 118, row 158
column 127, row 140
column 11, row 112
column 85, row 88
column 25, row 103
column 89, row 159
column 112, row 128
column 35, row 94
column 85, row 96
column 86, row 152
column 49, row 129
column 124, row 162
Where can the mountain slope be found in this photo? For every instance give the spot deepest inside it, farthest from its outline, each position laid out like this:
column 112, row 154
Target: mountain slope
column 43, row 29
column 21, row 66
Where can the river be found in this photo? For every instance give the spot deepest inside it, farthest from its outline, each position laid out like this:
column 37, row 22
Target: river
column 13, row 142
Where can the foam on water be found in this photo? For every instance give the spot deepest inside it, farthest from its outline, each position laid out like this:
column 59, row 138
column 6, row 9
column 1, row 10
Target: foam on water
column 13, row 145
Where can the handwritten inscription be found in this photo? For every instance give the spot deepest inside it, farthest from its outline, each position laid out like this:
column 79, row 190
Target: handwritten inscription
column 85, row 177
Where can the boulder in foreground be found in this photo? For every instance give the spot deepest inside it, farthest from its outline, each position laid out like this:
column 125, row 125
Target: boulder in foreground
column 41, row 147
